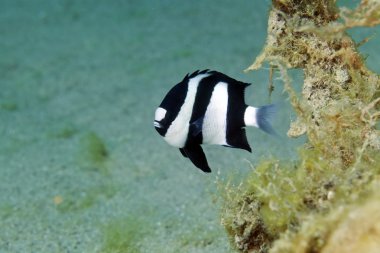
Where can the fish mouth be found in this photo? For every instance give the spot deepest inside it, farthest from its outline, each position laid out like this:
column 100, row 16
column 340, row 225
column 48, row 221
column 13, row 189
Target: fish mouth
column 157, row 124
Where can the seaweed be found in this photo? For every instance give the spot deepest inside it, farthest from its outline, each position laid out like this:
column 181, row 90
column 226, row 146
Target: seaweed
column 303, row 205
column 65, row 132
column 82, row 199
column 93, row 152
column 10, row 106
column 122, row 235
column 94, row 148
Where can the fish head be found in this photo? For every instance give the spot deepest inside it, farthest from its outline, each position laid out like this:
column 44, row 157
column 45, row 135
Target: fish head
column 160, row 121
column 168, row 110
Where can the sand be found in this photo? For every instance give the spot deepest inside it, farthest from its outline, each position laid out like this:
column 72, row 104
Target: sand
column 81, row 167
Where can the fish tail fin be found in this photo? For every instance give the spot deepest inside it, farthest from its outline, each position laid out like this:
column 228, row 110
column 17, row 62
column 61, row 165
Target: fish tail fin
column 264, row 116
column 260, row 117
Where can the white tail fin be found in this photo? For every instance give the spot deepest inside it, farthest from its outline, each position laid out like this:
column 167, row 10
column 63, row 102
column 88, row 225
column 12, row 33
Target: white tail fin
column 260, row 117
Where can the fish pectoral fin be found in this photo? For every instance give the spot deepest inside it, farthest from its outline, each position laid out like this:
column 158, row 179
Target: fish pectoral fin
column 196, row 126
column 197, row 156
column 183, row 152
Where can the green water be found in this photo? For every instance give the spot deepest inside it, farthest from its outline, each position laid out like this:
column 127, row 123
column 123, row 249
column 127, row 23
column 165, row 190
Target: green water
column 81, row 167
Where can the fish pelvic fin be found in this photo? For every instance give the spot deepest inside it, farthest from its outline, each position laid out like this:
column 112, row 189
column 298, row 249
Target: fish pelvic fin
column 197, row 157
column 183, row 152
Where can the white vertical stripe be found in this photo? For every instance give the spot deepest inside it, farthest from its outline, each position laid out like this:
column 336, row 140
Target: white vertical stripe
column 250, row 116
column 176, row 134
column 215, row 120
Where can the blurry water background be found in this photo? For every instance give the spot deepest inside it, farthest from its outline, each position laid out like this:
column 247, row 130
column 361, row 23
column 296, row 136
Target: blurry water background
column 81, row 167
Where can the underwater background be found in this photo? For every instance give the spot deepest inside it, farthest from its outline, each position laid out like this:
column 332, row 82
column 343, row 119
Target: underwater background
column 81, row 166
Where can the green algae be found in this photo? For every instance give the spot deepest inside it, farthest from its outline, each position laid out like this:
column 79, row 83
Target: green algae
column 294, row 206
column 123, row 235
column 65, row 132
column 81, row 199
column 9, row 106
column 94, row 148
column 196, row 237
column 6, row 210
column 93, row 152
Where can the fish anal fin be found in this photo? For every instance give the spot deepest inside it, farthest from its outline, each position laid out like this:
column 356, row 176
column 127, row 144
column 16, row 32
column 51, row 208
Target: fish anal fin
column 197, row 156
column 238, row 139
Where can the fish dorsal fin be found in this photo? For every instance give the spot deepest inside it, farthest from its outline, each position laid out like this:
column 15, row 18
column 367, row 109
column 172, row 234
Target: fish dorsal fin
column 197, row 72
column 186, row 77
column 243, row 83
column 196, row 126
column 224, row 78
column 237, row 83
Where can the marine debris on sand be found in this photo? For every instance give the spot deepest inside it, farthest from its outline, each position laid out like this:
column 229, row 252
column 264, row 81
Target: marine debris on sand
column 327, row 200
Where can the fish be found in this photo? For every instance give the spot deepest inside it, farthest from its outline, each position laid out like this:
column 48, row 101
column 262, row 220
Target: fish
column 208, row 107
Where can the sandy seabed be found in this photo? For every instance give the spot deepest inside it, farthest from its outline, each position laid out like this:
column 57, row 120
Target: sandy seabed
column 81, row 167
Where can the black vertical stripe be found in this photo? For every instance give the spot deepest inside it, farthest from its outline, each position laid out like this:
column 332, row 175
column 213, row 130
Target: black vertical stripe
column 173, row 102
column 202, row 100
column 236, row 136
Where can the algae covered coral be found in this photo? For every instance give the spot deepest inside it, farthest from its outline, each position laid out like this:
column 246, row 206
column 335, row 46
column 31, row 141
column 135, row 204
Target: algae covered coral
column 329, row 196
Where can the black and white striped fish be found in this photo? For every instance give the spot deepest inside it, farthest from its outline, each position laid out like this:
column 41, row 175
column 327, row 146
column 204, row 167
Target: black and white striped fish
column 207, row 107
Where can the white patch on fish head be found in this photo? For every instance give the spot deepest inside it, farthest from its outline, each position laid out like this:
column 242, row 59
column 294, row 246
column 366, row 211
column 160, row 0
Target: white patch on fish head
column 159, row 116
